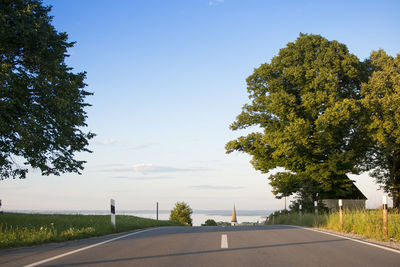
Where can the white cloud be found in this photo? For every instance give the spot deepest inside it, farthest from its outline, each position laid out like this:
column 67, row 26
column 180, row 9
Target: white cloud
column 110, row 165
column 106, row 142
column 215, row 187
column 143, row 146
column 146, row 168
column 143, row 177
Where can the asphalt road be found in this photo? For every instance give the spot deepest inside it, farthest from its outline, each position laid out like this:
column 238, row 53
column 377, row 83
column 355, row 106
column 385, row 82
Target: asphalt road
column 207, row 246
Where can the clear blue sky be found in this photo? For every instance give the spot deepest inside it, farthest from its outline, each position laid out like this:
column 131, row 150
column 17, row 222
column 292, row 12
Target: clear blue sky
column 168, row 78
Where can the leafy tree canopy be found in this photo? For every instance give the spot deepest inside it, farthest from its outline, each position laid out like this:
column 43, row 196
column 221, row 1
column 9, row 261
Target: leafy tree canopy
column 182, row 213
column 306, row 103
column 41, row 100
column 382, row 100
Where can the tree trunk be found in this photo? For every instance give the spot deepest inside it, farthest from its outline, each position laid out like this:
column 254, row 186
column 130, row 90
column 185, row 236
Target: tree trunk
column 395, row 177
column 396, row 197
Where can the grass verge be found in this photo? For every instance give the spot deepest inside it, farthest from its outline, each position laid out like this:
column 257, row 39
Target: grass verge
column 368, row 223
column 19, row 229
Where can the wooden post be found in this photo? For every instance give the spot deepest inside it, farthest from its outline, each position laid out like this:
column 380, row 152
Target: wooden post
column 341, row 214
column 273, row 219
column 385, row 217
column 157, row 212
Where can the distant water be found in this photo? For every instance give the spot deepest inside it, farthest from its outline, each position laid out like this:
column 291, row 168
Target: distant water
column 198, row 216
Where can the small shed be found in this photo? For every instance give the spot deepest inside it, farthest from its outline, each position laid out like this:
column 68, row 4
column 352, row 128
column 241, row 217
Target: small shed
column 352, row 197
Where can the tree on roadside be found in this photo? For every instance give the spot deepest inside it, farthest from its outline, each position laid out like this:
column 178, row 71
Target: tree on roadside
column 382, row 100
column 209, row 222
column 41, row 99
column 306, row 103
column 182, row 213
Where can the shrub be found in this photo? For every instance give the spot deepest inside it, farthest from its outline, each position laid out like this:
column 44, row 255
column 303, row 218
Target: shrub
column 209, row 222
column 181, row 213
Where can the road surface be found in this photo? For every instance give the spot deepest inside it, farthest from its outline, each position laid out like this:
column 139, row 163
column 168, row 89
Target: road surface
column 274, row 245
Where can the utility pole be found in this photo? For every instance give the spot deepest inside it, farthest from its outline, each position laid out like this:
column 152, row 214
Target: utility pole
column 157, row 211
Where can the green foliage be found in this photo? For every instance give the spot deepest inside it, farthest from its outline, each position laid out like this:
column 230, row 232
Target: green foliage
column 307, row 206
column 285, row 184
column 209, row 222
column 17, row 229
column 223, row 223
column 323, row 114
column 306, row 102
column 381, row 99
column 307, row 219
column 181, row 213
column 41, row 100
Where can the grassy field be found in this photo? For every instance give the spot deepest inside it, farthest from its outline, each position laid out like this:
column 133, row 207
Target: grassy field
column 18, row 229
column 368, row 223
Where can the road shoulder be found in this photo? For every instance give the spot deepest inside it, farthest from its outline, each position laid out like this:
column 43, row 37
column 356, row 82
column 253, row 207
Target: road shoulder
column 388, row 244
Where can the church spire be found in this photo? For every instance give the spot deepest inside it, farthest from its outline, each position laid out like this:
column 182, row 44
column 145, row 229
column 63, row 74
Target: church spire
column 234, row 220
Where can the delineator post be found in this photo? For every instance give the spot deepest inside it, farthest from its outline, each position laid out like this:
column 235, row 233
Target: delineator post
column 385, row 217
column 316, row 208
column 341, row 214
column 113, row 213
column 300, row 213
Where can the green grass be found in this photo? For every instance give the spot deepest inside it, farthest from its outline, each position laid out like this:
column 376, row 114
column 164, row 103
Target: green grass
column 368, row 223
column 18, row 229
column 307, row 219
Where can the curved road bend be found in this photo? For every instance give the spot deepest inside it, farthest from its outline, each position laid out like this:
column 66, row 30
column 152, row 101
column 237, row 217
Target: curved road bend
column 275, row 245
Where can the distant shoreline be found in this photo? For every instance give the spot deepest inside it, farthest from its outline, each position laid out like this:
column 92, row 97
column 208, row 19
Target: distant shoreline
column 198, row 216
column 122, row 212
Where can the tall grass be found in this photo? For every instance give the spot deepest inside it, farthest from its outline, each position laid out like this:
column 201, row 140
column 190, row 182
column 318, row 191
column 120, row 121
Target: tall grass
column 368, row 223
column 17, row 229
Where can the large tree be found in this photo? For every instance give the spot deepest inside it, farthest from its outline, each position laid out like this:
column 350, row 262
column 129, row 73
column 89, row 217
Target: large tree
column 382, row 100
column 41, row 99
column 306, row 104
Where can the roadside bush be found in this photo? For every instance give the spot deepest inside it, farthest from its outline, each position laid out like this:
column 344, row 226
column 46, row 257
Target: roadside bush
column 209, row 222
column 181, row 213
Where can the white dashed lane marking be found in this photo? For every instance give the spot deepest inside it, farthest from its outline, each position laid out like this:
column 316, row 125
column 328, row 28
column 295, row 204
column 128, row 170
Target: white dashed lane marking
column 224, row 241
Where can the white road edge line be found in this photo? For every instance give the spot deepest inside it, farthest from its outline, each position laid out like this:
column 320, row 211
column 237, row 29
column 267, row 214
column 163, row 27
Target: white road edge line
column 224, row 241
column 349, row 238
column 85, row 248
